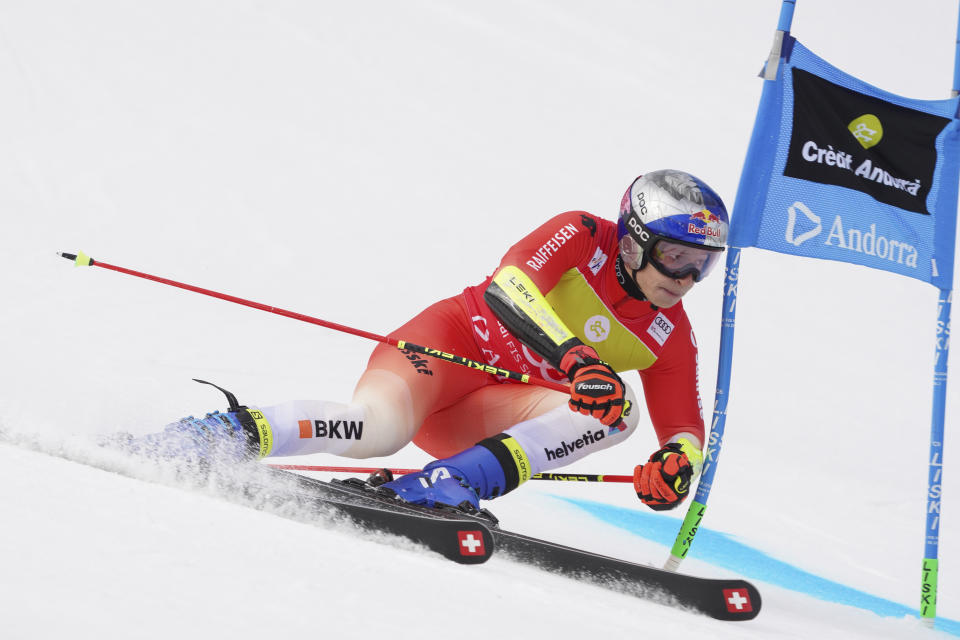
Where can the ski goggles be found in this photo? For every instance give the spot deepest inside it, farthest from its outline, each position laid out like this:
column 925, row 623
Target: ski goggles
column 677, row 260
column 674, row 259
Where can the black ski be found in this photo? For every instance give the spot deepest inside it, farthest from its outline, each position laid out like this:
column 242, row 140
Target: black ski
column 462, row 539
column 724, row 599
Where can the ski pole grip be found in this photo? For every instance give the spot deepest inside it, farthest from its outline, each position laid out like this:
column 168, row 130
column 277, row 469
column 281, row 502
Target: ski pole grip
column 403, row 345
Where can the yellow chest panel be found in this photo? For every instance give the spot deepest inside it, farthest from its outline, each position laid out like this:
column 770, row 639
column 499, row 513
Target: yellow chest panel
column 582, row 310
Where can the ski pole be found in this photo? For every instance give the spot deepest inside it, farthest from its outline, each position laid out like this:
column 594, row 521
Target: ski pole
column 567, row 477
column 80, row 259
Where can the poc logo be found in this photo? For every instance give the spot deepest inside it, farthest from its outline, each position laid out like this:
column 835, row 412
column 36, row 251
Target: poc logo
column 634, row 223
column 641, row 205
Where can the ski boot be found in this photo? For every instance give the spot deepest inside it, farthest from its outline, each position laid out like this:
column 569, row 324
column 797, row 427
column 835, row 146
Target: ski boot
column 238, row 434
column 432, row 490
column 489, row 469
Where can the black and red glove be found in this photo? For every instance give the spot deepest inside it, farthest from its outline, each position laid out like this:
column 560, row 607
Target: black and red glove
column 664, row 481
column 595, row 389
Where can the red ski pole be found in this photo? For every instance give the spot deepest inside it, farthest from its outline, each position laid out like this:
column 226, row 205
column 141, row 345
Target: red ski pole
column 82, row 260
column 570, row 477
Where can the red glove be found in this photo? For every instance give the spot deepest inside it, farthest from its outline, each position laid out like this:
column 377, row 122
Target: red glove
column 595, row 389
column 664, row 481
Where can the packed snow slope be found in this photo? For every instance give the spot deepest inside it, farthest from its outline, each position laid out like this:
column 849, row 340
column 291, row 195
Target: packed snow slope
column 358, row 161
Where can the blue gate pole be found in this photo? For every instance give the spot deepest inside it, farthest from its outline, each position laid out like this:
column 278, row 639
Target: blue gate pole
column 931, row 565
column 698, row 506
column 930, row 572
column 956, row 63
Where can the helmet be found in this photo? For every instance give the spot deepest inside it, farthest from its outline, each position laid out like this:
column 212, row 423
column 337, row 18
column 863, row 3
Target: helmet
column 673, row 220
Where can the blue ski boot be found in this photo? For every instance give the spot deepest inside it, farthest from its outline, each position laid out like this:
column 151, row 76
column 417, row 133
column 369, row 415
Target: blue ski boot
column 238, row 434
column 491, row 468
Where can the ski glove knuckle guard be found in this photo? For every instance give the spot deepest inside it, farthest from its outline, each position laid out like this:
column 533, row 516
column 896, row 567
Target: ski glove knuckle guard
column 595, row 388
column 664, row 481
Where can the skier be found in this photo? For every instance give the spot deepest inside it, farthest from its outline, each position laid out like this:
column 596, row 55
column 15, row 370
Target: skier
column 577, row 300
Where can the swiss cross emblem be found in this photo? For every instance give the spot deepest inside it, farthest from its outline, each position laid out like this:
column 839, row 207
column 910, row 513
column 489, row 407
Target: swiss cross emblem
column 471, row 543
column 738, row 600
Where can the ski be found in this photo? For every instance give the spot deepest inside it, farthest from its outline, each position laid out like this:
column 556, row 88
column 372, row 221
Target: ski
column 464, row 540
column 723, row 599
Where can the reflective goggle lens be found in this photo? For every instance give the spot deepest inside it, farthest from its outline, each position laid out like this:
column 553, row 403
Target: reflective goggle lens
column 680, row 260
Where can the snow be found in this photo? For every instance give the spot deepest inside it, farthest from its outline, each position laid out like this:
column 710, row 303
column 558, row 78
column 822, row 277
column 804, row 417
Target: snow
column 357, row 162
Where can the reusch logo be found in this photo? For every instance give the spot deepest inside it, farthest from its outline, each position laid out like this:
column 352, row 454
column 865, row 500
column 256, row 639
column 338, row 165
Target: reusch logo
column 586, row 386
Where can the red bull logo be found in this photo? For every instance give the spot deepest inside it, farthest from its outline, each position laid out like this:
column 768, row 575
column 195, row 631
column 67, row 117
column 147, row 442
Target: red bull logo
column 710, row 222
column 705, row 215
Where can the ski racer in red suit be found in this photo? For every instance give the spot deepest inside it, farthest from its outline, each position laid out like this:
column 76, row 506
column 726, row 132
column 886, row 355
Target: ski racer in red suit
column 577, row 300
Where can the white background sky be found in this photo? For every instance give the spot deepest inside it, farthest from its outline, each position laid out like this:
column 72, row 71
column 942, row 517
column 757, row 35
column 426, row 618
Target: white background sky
column 357, row 162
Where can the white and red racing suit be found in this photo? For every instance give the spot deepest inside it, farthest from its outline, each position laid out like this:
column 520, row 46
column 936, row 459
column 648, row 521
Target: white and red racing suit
column 571, row 263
